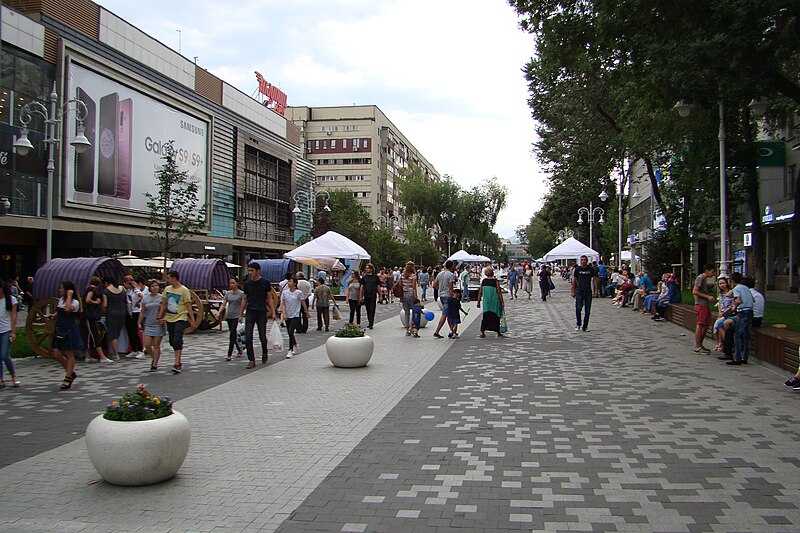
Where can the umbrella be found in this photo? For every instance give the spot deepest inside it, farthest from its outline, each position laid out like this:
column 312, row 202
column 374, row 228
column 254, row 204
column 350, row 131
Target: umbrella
column 133, row 261
column 232, row 265
column 158, row 262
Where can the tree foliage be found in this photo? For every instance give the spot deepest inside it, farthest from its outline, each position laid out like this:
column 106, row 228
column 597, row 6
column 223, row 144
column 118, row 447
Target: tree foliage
column 174, row 208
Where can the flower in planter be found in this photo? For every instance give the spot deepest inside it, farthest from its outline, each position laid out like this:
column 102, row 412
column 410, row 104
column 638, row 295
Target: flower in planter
column 138, row 406
column 350, row 331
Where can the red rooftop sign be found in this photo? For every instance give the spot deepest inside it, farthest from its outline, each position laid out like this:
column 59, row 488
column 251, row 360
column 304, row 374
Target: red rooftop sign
column 275, row 99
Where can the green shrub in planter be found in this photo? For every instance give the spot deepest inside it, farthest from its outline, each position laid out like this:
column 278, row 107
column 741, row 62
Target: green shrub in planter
column 350, row 331
column 138, row 406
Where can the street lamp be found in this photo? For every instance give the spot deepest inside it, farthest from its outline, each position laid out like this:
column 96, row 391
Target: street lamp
column 53, row 118
column 310, row 200
column 590, row 212
column 564, row 234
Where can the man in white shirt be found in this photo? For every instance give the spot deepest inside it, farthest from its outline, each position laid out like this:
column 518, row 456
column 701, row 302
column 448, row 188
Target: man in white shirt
column 305, row 287
column 758, row 302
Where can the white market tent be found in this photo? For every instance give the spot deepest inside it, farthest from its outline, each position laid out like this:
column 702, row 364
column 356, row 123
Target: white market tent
column 482, row 259
column 331, row 245
column 570, row 249
column 462, row 256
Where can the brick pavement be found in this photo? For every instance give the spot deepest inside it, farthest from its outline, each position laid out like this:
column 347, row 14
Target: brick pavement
column 260, row 444
column 618, row 429
column 38, row 417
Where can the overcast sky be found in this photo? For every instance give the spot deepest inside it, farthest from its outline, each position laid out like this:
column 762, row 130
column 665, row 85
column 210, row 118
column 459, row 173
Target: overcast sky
column 447, row 72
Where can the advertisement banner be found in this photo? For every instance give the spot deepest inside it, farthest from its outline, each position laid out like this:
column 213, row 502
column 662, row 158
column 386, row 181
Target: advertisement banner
column 127, row 131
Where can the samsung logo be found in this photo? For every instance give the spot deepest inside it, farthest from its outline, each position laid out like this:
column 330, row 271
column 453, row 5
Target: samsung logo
column 192, row 128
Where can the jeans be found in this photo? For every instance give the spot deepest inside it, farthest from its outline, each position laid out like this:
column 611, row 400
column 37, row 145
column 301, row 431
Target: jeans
column 370, row 301
column 355, row 311
column 251, row 319
column 323, row 315
column 303, row 328
column 603, row 286
column 465, row 291
column 132, row 328
column 424, row 289
column 233, row 338
column 743, row 322
column 291, row 326
column 175, row 332
column 583, row 300
column 5, row 354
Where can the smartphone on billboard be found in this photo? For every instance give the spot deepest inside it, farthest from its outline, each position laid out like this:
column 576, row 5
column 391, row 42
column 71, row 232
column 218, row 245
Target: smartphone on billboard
column 108, row 161
column 124, row 149
column 84, row 163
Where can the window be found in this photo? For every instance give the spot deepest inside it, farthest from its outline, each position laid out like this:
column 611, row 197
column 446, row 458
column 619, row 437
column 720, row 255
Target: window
column 364, row 143
column 789, row 181
column 344, row 143
column 316, row 144
column 325, row 145
column 333, row 143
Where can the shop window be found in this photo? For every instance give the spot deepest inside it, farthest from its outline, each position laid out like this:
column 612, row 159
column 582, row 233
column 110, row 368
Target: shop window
column 5, row 106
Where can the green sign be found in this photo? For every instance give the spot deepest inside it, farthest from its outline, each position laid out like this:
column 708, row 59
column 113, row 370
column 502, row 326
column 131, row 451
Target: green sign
column 771, row 153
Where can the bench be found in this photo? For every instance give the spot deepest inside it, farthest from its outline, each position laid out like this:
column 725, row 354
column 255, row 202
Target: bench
column 776, row 346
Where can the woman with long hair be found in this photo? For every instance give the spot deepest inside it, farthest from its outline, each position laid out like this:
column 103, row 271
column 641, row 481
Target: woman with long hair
column 67, row 338
column 8, row 332
column 355, row 297
column 232, row 312
column 490, row 297
column 95, row 301
column 544, row 282
column 409, row 282
column 292, row 304
column 116, row 300
column 152, row 327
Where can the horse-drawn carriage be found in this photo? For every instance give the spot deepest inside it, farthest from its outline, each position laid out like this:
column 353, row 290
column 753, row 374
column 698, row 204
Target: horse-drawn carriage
column 207, row 279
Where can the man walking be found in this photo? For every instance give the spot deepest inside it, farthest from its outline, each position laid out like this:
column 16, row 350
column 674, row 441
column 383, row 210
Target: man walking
column 258, row 302
column 176, row 310
column 743, row 299
column 703, row 301
column 512, row 282
column 602, row 273
column 582, row 277
column 444, row 283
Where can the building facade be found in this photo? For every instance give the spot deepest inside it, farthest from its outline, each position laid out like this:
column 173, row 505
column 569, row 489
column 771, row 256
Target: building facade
column 138, row 95
column 357, row 148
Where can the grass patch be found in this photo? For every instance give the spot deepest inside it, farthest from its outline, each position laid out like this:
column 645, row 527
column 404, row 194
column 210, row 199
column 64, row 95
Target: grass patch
column 783, row 313
column 21, row 346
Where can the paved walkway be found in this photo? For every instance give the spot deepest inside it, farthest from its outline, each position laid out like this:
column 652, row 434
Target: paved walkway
column 618, row 429
column 39, row 417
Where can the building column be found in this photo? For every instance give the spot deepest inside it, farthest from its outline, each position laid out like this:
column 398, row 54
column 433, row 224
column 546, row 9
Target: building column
column 791, row 259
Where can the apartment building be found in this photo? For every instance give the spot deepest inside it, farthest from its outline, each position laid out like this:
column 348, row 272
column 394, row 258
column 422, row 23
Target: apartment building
column 359, row 149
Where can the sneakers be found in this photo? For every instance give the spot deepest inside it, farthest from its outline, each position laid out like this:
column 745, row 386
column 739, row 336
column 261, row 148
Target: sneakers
column 438, row 336
column 793, row 382
column 251, row 364
column 153, row 368
column 290, row 354
column 106, row 360
column 577, row 328
column 176, row 369
column 139, row 355
column 734, row 363
column 15, row 382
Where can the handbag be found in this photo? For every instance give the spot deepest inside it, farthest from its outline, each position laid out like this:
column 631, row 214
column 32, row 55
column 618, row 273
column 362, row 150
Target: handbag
column 552, row 285
column 397, row 290
column 241, row 336
column 275, row 337
column 503, row 324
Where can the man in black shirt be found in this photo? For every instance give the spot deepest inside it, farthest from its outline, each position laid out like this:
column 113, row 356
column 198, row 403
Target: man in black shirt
column 582, row 278
column 370, row 283
column 257, row 301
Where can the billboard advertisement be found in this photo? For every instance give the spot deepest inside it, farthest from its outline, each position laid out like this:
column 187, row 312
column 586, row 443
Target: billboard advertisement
column 127, row 130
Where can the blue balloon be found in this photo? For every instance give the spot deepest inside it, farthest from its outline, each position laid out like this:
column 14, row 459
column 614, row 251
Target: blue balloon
column 428, row 315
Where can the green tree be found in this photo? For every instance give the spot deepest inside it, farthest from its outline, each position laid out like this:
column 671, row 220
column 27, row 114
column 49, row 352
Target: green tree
column 174, row 209
column 346, row 216
column 384, row 249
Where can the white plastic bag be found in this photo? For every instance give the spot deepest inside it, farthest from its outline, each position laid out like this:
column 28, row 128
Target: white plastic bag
column 240, row 334
column 275, row 337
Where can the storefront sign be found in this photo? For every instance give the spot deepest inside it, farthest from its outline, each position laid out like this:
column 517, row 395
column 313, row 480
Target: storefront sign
column 275, row 99
column 128, row 131
column 771, row 154
column 768, row 216
column 748, row 239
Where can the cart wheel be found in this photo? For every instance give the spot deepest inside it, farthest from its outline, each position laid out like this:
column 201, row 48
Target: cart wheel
column 210, row 320
column 41, row 326
column 197, row 306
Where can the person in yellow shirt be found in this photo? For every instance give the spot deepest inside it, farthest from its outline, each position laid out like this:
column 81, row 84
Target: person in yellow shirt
column 176, row 310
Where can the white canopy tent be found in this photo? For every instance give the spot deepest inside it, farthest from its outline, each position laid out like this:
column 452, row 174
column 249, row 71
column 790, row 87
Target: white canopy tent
column 462, row 256
column 570, row 249
column 331, row 245
column 482, row 259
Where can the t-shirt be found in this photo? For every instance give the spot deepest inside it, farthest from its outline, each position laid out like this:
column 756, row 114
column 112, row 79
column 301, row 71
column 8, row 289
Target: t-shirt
column 150, row 305
column 424, row 278
column 370, row 282
column 322, row 296
column 758, row 303
column 233, row 304
column 396, row 276
column 305, row 287
column 256, row 292
column 292, row 302
column 353, row 291
column 583, row 277
column 76, row 304
column 408, row 285
column 602, row 271
column 646, row 283
column 134, row 297
column 702, row 287
column 745, row 297
column 5, row 316
column 444, row 281
column 178, row 302
column 464, row 277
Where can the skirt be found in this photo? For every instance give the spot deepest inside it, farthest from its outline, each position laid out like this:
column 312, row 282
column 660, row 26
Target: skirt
column 114, row 325
column 490, row 322
column 154, row 330
column 67, row 338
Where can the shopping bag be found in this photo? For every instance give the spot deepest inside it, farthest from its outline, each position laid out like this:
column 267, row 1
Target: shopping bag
column 335, row 313
column 503, row 325
column 552, row 285
column 241, row 337
column 275, row 337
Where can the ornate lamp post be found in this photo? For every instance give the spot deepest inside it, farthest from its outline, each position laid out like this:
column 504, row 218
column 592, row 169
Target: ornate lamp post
column 590, row 213
column 53, row 117
column 310, row 200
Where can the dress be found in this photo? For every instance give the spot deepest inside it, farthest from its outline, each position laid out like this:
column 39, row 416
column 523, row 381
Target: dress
column 115, row 313
column 490, row 304
column 68, row 334
column 150, row 306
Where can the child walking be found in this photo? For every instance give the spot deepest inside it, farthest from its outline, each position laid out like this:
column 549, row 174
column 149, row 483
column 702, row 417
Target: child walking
column 454, row 311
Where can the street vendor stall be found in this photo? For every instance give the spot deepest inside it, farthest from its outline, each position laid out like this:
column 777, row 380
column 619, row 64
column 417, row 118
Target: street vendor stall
column 570, row 249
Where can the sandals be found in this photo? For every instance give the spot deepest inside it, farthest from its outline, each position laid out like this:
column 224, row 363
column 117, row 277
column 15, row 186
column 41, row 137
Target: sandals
column 153, row 368
column 67, row 384
column 176, row 369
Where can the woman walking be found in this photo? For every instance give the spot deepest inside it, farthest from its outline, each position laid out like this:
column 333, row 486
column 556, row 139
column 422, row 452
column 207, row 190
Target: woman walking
column 527, row 280
column 93, row 311
column 355, row 296
column 491, row 299
column 116, row 310
column 369, row 284
column 292, row 303
column 232, row 311
column 409, row 283
column 8, row 332
column 67, row 339
column 152, row 327
column 544, row 282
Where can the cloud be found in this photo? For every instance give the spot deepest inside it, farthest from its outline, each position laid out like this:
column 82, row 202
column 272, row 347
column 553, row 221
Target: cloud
column 447, row 72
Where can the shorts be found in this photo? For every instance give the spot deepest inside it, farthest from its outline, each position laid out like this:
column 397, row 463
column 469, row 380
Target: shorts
column 445, row 304
column 703, row 315
column 153, row 330
column 175, row 331
column 719, row 323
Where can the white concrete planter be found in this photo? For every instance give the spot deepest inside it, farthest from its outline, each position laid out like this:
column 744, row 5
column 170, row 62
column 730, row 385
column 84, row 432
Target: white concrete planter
column 138, row 453
column 349, row 352
column 422, row 320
